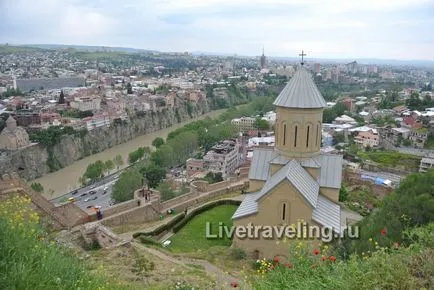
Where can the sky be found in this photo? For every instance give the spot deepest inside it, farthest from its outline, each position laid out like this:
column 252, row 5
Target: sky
column 385, row 29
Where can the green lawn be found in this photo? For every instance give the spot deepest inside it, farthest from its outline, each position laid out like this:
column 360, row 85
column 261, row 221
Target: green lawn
column 192, row 237
column 392, row 158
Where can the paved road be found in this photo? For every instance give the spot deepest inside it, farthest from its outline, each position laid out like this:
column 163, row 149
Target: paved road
column 83, row 197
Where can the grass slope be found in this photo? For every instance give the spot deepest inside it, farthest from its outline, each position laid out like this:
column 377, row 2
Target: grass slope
column 193, row 236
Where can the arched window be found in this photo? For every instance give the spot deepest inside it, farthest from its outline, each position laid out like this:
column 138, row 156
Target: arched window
column 295, row 136
column 283, row 211
column 307, row 136
column 284, row 134
column 317, row 135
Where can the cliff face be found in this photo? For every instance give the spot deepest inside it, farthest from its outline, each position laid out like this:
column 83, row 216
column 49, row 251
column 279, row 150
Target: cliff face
column 31, row 162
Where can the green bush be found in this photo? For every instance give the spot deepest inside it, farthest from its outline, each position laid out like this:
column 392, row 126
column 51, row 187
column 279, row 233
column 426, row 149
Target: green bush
column 148, row 240
column 162, row 228
column 238, row 254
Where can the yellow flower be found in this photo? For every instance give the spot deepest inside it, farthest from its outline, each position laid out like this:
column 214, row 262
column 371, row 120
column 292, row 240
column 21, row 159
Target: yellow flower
column 370, row 239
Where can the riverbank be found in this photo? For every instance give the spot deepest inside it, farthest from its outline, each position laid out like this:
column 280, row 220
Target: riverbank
column 66, row 179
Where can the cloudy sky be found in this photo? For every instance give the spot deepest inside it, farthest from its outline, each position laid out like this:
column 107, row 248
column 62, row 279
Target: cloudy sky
column 393, row 29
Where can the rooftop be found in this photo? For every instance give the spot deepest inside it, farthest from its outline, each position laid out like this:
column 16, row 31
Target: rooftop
column 300, row 92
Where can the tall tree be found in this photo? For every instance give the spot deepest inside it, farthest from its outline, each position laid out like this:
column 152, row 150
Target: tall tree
column 61, row 97
column 109, row 165
column 118, row 161
column 158, row 142
column 129, row 181
column 129, row 88
column 153, row 174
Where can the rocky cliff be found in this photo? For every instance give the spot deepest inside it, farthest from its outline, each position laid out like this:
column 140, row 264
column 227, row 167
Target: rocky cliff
column 33, row 161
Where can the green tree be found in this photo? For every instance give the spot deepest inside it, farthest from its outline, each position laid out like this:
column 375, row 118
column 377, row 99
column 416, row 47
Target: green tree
column 164, row 156
column 414, row 102
column 406, row 142
column 166, row 192
column 261, row 124
column 129, row 88
column 61, row 97
column 118, row 161
column 158, row 142
column 95, row 170
column 343, row 194
column 109, row 165
column 36, row 186
column 153, row 174
column 136, row 155
column 129, row 181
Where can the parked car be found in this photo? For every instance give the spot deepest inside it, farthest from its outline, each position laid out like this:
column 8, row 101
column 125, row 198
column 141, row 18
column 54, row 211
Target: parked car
column 92, row 192
column 87, row 199
column 74, row 192
column 83, row 194
column 89, row 206
column 71, row 199
column 93, row 198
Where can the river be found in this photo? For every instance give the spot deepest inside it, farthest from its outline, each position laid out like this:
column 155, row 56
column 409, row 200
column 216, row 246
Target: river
column 66, row 179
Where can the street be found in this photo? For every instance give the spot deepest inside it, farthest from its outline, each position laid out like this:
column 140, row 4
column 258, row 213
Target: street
column 84, row 199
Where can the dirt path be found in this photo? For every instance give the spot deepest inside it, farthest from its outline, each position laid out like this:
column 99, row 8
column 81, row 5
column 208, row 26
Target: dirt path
column 222, row 279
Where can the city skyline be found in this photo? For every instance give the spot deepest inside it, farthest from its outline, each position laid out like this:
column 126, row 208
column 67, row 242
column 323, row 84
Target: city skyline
column 324, row 29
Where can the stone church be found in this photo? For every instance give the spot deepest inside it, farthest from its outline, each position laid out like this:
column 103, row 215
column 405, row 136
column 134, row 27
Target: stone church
column 292, row 181
column 13, row 137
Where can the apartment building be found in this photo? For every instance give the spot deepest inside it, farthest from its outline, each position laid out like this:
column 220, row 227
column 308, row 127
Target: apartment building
column 244, row 124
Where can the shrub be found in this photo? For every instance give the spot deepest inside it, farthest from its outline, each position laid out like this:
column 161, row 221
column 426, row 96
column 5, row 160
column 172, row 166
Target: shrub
column 238, row 254
column 162, row 228
column 36, row 186
column 148, row 240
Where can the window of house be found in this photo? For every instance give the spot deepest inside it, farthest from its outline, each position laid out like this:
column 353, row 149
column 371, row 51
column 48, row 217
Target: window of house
column 284, row 134
column 317, row 135
column 295, row 136
column 284, row 209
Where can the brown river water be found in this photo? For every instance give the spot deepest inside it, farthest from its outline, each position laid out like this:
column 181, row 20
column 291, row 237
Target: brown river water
column 66, row 179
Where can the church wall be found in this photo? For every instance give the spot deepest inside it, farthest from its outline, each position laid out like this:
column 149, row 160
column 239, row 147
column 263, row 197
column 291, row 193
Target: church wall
column 255, row 185
column 314, row 172
column 270, row 214
column 275, row 167
column 330, row 193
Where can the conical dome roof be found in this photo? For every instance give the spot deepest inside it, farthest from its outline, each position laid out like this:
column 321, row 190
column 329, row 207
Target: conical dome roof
column 300, row 92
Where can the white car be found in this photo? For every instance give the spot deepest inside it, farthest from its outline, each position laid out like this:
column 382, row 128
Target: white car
column 105, row 188
column 87, row 199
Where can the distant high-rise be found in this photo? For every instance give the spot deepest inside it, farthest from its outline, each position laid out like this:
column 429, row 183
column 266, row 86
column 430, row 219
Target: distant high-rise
column 263, row 60
column 317, row 68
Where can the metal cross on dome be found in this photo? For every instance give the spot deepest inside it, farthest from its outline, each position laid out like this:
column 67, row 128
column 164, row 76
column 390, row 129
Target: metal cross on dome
column 302, row 54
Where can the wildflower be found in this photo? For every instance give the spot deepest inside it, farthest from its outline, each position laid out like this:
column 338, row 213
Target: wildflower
column 370, row 239
column 234, row 284
column 288, row 265
column 332, row 258
column 316, row 252
column 323, row 258
column 396, row 245
column 384, row 232
column 276, row 260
